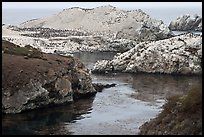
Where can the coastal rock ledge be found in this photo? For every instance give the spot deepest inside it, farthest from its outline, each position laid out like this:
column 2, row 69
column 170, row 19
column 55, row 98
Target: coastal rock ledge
column 31, row 79
column 181, row 55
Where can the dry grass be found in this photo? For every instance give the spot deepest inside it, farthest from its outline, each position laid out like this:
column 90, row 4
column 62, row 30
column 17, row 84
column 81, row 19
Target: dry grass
column 182, row 115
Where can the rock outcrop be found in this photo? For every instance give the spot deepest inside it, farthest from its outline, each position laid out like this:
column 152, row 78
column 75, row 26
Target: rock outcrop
column 30, row 82
column 181, row 54
column 187, row 23
column 107, row 21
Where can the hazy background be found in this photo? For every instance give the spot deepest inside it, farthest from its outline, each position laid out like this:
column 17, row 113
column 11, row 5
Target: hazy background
column 15, row 13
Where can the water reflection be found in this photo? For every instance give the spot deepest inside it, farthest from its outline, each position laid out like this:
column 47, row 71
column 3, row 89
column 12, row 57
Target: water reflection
column 152, row 87
column 89, row 59
column 47, row 120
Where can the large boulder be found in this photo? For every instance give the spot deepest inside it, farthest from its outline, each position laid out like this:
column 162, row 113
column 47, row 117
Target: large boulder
column 30, row 82
column 187, row 23
column 181, row 54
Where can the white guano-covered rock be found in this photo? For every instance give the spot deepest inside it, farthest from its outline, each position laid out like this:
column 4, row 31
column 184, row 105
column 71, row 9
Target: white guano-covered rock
column 75, row 29
column 107, row 21
column 181, row 54
column 187, row 23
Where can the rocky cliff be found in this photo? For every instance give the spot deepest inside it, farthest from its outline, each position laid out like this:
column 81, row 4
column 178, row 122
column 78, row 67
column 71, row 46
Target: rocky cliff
column 31, row 79
column 187, row 23
column 181, row 54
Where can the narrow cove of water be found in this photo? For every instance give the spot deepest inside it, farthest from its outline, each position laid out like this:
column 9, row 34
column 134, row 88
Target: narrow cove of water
column 115, row 112
column 119, row 110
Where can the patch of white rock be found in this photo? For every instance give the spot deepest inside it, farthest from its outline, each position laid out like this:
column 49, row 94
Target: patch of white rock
column 69, row 44
column 180, row 54
column 187, row 23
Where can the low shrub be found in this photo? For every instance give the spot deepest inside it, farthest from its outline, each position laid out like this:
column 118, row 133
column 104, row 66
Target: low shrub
column 28, row 50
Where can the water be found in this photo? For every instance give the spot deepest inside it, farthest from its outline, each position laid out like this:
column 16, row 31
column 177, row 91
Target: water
column 89, row 59
column 181, row 32
column 118, row 110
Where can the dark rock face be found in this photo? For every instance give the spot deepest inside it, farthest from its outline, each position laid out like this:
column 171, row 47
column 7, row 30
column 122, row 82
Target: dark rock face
column 38, row 82
column 99, row 87
column 187, row 23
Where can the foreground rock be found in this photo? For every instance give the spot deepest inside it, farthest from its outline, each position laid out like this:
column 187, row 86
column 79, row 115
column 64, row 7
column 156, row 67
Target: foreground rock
column 180, row 54
column 187, row 23
column 182, row 115
column 31, row 81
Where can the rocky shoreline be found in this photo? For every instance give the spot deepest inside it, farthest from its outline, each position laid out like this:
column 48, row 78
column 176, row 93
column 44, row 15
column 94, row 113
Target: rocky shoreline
column 180, row 55
column 31, row 79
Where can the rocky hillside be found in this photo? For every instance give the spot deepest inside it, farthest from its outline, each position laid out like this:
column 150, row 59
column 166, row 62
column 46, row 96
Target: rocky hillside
column 187, row 23
column 104, row 28
column 181, row 54
column 63, row 41
column 182, row 115
column 105, row 21
column 32, row 79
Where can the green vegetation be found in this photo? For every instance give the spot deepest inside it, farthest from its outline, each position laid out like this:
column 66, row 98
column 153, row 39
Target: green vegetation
column 27, row 51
